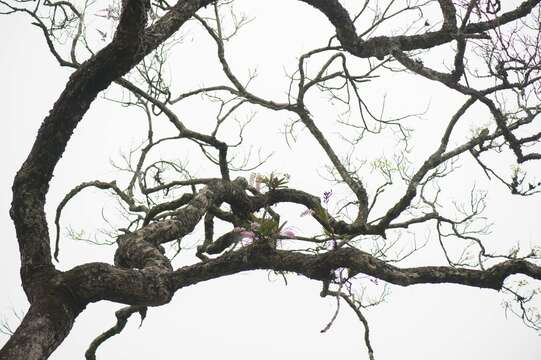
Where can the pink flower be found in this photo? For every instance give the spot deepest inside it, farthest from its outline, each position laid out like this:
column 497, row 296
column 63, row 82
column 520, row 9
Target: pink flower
column 246, row 237
column 258, row 180
column 255, row 180
column 288, row 233
column 243, row 236
column 254, row 225
column 247, row 234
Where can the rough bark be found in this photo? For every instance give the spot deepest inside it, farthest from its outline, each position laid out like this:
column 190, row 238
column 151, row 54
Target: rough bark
column 46, row 324
column 142, row 275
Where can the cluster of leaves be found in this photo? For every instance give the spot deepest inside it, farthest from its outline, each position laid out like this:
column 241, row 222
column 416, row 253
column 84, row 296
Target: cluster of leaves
column 519, row 186
column 266, row 227
column 273, row 181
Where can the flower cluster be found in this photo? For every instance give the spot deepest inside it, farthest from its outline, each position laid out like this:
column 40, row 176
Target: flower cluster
column 261, row 229
column 326, row 196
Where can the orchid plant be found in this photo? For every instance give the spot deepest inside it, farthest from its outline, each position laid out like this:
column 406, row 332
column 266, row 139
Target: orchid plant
column 263, row 228
column 273, row 181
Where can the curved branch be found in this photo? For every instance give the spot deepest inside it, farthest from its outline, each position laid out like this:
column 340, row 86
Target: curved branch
column 100, row 185
column 32, row 180
column 122, row 317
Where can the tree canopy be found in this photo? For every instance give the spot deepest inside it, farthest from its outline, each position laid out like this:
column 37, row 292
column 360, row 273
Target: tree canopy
column 376, row 156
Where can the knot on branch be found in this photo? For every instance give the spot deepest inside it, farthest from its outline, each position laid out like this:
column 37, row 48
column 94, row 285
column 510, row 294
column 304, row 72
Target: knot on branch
column 241, row 182
column 135, row 252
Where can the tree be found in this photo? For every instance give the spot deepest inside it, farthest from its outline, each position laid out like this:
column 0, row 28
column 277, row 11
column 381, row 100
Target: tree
column 483, row 52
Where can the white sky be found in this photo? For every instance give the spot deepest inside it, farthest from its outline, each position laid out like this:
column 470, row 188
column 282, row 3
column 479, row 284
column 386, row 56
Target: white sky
column 247, row 316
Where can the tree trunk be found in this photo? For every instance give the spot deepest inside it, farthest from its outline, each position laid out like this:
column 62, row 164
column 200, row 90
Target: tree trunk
column 44, row 327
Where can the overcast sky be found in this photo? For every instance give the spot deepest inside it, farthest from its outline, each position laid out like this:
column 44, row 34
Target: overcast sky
column 253, row 315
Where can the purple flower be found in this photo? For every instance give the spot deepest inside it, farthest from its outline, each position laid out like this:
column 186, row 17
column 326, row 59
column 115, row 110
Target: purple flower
column 326, row 196
column 307, row 212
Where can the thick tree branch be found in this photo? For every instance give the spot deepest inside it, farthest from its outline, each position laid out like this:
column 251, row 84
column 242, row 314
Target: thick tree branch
column 94, row 282
column 32, row 180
